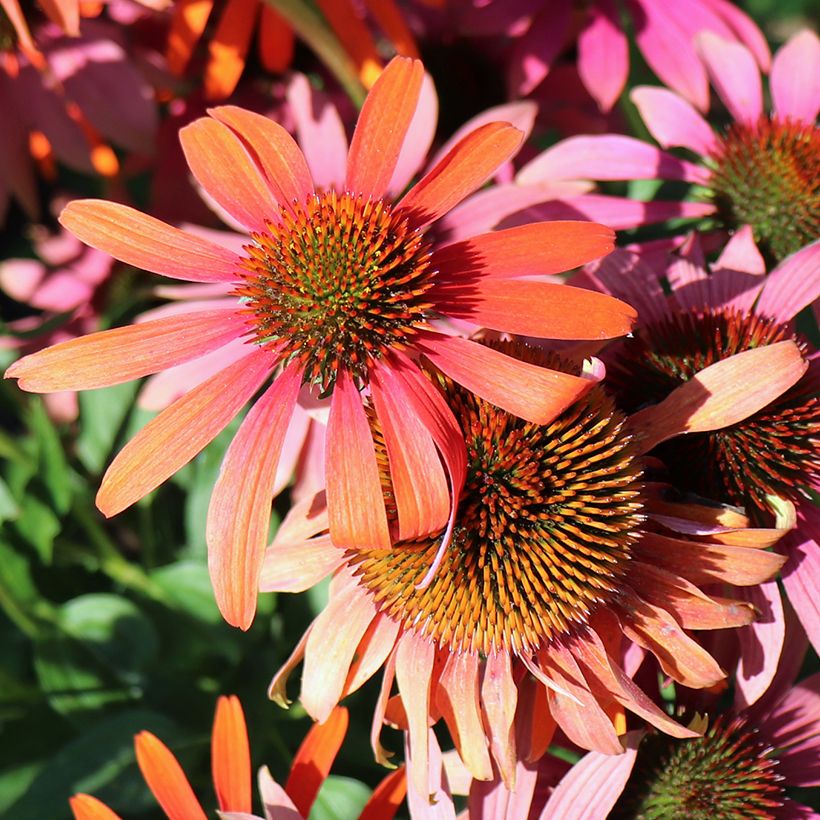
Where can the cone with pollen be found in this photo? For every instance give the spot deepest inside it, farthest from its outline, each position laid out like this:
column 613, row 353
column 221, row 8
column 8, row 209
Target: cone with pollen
column 553, row 561
column 339, row 290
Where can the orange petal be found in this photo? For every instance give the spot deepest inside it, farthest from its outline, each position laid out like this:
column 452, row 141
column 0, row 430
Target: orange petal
column 544, row 309
column 225, row 170
column 419, row 485
column 178, row 433
column 465, row 169
column 499, row 698
column 275, row 41
column 722, row 394
column 380, row 754
column 533, row 393
column 228, row 48
column 239, row 512
column 382, row 128
column 344, row 19
column 311, row 764
column 165, row 778
column 65, row 13
column 541, row 248
column 275, row 151
column 355, row 500
column 144, row 242
column 387, row 797
column 18, row 21
column 187, row 24
column 389, row 17
column 126, row 353
column 86, row 807
column 231, row 756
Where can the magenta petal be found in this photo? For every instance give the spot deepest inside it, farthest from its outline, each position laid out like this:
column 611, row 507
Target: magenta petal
column 795, row 78
column 603, row 54
column 801, row 572
column 746, row 30
column 492, row 798
column 792, row 285
column 735, row 76
column 673, row 121
column 741, row 254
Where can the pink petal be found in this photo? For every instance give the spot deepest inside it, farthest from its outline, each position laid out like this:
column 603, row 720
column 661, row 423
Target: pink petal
column 331, row 647
column 298, row 567
column 422, row 130
column 603, row 54
column 320, row 131
column 354, row 493
column 144, row 242
column 792, row 285
column 435, row 801
column 239, row 512
column 499, row 697
column 492, row 800
column 20, row 278
column 372, row 652
column 225, row 170
column 274, row 150
column 525, row 390
column 608, row 157
column 382, row 128
column 275, row 800
column 673, row 121
column 746, row 30
column 126, row 353
column 801, row 573
column 177, row 434
column 735, row 76
column 593, row 785
column 741, row 254
column 760, row 644
column 795, row 78
column 722, row 394
column 419, row 485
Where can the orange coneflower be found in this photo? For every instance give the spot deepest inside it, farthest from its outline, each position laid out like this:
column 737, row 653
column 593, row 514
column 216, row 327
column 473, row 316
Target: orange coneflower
column 562, row 554
column 338, row 288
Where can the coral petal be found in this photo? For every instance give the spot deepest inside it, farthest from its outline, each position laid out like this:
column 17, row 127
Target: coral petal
column 86, row 807
column 231, row 756
column 387, row 797
column 499, row 697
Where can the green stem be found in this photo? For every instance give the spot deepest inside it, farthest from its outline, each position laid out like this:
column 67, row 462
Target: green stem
column 311, row 27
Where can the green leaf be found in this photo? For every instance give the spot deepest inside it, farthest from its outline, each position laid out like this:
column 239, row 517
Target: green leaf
column 102, row 415
column 188, row 585
column 53, row 464
column 9, row 509
column 339, row 798
column 38, row 525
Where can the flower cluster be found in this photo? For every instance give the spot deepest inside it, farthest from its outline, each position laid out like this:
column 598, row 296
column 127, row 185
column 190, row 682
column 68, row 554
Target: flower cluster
column 532, row 420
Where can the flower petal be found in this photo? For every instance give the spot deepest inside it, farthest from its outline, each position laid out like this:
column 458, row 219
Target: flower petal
column 801, row 573
column 126, row 353
column 231, row 756
column 373, row 651
column 735, row 76
column 239, row 512
column 672, row 120
column 86, row 807
column 722, row 394
column 603, row 54
column 177, row 434
column 526, row 390
column 795, row 78
column 465, row 169
column 312, row 762
column 226, row 171
column 382, row 128
column 387, row 797
column 275, row 800
column 165, row 778
column 274, row 151
column 499, row 697
column 147, row 243
column 536, row 249
column 228, row 47
column 297, row 567
column 355, row 500
column 792, row 285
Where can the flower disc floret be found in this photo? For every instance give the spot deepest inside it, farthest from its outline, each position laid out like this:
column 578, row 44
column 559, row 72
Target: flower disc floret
column 336, row 282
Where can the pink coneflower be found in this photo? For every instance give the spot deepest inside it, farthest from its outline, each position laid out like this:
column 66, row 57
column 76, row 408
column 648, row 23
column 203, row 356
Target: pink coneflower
column 231, row 767
column 561, row 552
column 336, row 289
column 761, row 171
column 770, row 455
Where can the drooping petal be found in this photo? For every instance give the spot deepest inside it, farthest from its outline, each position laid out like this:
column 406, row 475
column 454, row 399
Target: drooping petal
column 278, row 687
column 354, row 493
column 722, row 394
column 373, row 650
column 435, row 800
column 382, row 128
column 177, row 434
column 382, row 755
column 231, row 756
column 526, row 390
column 795, row 78
column 165, row 778
column 468, row 166
column 792, row 285
column 603, row 54
column 188, row 21
column 273, row 149
column 312, row 762
column 144, row 242
column 499, row 697
column 492, row 798
column 672, row 120
column 125, row 353
column 298, row 567
column 608, row 157
column 387, row 797
column 275, row 800
column 529, row 250
column 86, row 807
column 228, row 47
column 239, row 512
column 225, row 170
column 543, row 309
column 735, row 76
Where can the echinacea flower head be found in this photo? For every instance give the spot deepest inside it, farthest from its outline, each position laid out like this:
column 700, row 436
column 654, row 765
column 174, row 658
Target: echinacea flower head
column 336, row 290
column 560, row 551
column 763, row 170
